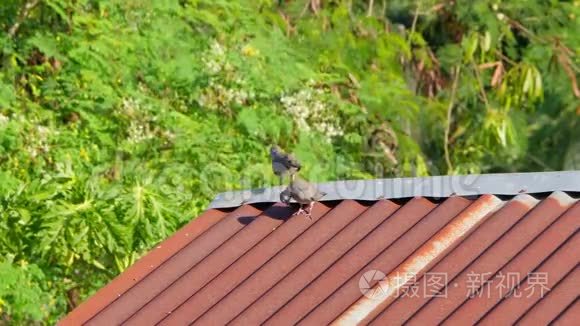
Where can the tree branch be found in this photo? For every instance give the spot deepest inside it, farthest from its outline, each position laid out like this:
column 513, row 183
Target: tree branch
column 314, row 7
column 480, row 83
column 303, row 12
column 384, row 9
column 449, row 115
column 24, row 12
column 504, row 57
column 370, row 10
column 415, row 17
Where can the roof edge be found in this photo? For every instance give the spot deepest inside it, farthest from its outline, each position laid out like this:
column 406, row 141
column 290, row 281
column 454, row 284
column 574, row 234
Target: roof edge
column 436, row 187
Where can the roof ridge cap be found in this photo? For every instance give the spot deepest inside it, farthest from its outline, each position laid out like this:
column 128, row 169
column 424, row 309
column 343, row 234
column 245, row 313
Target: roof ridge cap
column 433, row 186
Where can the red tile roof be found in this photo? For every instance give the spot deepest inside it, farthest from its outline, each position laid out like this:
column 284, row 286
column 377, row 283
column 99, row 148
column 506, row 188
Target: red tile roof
column 257, row 264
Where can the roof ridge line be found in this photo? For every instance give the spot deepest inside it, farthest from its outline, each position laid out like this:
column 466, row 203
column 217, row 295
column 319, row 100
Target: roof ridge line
column 433, row 186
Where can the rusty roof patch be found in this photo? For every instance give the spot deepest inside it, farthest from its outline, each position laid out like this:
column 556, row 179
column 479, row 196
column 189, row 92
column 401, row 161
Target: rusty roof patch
column 260, row 265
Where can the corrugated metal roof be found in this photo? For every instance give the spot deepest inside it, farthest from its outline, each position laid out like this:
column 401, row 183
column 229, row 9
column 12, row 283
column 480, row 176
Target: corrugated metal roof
column 257, row 264
column 433, row 187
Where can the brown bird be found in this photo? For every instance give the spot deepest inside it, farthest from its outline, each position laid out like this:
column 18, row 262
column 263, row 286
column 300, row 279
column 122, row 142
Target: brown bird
column 283, row 163
column 304, row 193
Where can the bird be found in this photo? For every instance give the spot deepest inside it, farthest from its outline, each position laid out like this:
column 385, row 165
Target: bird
column 285, row 196
column 304, row 193
column 283, row 163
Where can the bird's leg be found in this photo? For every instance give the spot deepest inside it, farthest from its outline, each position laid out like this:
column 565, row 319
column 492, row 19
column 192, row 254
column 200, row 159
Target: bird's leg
column 309, row 212
column 299, row 211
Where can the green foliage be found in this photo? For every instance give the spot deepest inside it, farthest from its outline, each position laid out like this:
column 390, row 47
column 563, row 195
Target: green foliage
column 121, row 120
column 22, row 297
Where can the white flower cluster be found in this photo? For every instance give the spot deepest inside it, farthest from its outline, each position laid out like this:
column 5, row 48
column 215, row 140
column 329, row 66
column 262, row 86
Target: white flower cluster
column 39, row 142
column 139, row 132
column 38, row 138
column 130, row 107
column 215, row 59
column 3, row 119
column 309, row 112
column 225, row 88
column 168, row 136
column 139, row 129
column 217, row 96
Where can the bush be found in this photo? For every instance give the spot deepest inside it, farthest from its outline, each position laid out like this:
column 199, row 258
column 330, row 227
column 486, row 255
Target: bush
column 121, row 120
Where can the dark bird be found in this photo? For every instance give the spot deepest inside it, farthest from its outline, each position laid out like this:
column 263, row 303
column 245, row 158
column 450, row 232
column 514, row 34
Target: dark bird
column 304, row 193
column 285, row 196
column 283, row 163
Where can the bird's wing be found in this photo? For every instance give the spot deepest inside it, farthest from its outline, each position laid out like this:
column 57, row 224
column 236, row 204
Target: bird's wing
column 292, row 161
column 304, row 189
column 318, row 195
column 278, row 167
